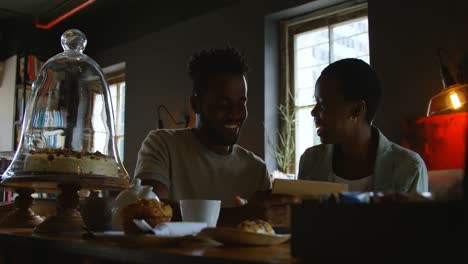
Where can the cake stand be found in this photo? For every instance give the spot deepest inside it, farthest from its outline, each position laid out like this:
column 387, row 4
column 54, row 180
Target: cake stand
column 22, row 215
column 67, row 218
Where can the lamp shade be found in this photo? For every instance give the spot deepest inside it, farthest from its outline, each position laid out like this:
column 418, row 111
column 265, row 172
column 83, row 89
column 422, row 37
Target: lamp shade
column 450, row 100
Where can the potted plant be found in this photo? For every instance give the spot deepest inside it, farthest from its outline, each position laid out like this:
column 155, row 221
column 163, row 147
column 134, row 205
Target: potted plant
column 284, row 149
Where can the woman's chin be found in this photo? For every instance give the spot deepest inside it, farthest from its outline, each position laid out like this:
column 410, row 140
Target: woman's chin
column 325, row 139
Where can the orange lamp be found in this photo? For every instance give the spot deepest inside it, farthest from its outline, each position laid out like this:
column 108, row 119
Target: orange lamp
column 452, row 98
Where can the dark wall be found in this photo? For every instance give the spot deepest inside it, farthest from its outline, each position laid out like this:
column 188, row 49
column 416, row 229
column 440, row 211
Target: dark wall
column 404, row 38
column 156, row 69
column 21, row 37
column 106, row 23
column 156, row 72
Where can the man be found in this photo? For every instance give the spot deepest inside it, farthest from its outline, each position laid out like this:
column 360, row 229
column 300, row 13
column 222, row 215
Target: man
column 205, row 162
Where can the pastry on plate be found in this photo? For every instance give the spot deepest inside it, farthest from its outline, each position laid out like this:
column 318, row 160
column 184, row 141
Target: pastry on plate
column 150, row 210
column 256, row 226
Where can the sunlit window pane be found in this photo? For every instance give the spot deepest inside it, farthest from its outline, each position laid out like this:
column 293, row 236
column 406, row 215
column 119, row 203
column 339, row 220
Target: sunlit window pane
column 305, row 96
column 350, row 39
column 304, row 58
column 305, row 84
column 351, row 47
column 365, row 58
column 113, row 93
column 304, row 78
column 311, row 38
column 312, row 53
column 97, row 119
column 312, row 56
column 350, row 28
column 100, row 140
column 305, row 131
column 117, row 94
column 121, row 125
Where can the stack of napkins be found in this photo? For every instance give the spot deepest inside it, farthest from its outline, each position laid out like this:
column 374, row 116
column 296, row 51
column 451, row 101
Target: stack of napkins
column 176, row 229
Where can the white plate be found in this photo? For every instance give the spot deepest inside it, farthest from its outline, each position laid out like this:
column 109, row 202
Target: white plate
column 228, row 235
column 153, row 241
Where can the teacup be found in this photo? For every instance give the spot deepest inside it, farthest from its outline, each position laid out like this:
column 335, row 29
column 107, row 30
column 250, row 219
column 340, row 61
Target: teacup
column 196, row 210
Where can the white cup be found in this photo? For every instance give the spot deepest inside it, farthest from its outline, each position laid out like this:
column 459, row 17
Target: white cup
column 206, row 211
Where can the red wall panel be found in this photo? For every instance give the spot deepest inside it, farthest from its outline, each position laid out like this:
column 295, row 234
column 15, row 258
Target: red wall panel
column 440, row 140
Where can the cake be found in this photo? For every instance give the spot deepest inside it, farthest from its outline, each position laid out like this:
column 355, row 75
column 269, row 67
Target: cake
column 256, row 226
column 69, row 161
column 150, row 210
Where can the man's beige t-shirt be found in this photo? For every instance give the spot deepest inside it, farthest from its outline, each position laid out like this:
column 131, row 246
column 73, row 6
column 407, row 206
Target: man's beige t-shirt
column 177, row 159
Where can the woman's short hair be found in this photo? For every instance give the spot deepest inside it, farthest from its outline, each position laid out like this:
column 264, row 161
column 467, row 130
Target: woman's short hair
column 358, row 81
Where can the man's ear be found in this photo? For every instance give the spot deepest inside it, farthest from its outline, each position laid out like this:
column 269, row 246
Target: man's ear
column 359, row 109
column 196, row 104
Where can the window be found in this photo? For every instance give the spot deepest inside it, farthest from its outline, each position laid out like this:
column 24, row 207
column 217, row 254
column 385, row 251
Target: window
column 312, row 44
column 117, row 91
column 116, row 82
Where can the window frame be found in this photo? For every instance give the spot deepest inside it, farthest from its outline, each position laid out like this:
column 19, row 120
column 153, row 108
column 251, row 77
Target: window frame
column 117, row 78
column 117, row 119
column 293, row 26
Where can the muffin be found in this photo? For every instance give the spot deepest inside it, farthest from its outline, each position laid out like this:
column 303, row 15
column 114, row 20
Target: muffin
column 256, row 226
column 152, row 211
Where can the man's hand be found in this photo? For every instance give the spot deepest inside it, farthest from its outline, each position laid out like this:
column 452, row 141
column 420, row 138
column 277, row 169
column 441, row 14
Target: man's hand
column 273, row 208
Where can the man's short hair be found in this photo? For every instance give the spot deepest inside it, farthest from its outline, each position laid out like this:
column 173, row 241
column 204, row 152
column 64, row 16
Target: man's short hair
column 358, row 81
column 212, row 62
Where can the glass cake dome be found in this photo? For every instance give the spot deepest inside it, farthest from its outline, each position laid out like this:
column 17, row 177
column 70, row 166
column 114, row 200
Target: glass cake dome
column 68, row 130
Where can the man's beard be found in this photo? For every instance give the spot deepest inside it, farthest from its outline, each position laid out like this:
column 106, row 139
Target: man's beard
column 219, row 137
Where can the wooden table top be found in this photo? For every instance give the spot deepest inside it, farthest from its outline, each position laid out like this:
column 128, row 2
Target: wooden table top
column 145, row 252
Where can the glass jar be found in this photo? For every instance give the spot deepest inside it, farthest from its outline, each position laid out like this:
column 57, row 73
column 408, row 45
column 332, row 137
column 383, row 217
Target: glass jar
column 68, row 131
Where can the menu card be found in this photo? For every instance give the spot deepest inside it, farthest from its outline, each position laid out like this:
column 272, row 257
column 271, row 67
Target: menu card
column 306, row 189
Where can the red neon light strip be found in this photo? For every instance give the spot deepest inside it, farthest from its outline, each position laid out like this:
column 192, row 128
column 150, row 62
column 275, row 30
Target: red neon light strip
column 64, row 16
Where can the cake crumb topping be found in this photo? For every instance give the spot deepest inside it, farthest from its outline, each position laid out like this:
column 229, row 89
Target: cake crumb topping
column 52, row 153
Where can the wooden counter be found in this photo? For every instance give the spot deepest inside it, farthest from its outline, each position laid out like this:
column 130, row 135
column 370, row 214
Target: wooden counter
column 21, row 246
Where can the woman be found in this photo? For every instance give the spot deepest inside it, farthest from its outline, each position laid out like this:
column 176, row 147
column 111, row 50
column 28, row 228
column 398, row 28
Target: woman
column 353, row 151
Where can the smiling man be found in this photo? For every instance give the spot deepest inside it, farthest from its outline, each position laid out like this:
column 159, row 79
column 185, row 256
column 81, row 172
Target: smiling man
column 205, row 162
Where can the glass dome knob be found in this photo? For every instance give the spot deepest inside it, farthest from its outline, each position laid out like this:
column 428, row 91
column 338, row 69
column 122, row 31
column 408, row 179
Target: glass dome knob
column 73, row 39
